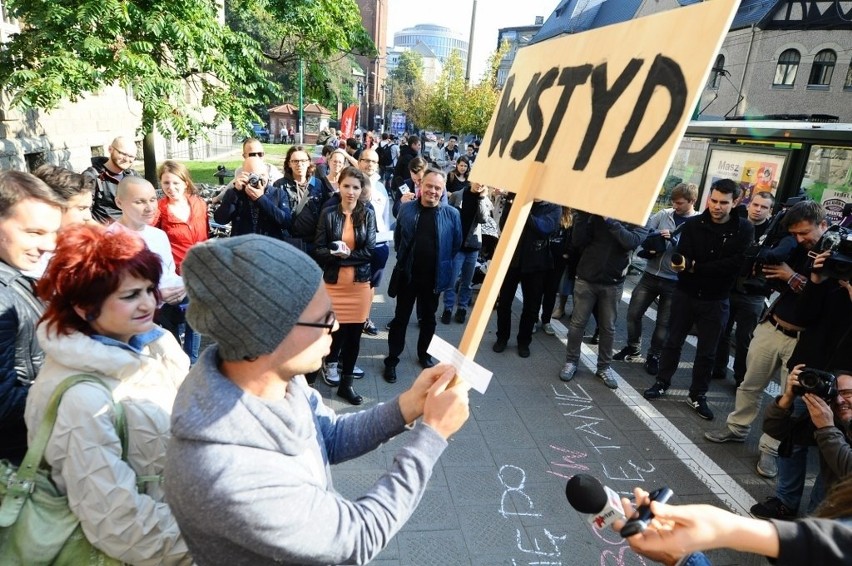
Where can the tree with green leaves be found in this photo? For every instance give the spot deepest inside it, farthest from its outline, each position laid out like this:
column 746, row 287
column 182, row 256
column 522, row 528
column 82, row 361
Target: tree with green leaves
column 322, row 35
column 406, row 90
column 446, row 99
column 481, row 99
column 157, row 50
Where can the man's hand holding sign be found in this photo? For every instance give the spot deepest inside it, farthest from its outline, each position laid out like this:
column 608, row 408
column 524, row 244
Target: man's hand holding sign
column 592, row 121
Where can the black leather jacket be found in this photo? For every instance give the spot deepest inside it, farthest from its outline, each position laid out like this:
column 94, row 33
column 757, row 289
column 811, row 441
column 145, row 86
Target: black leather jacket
column 330, row 229
column 20, row 356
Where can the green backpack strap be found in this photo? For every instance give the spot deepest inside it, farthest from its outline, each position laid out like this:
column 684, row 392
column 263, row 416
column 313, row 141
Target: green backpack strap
column 22, row 482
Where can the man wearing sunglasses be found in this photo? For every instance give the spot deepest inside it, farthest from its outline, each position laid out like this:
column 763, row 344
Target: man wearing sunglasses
column 108, row 173
column 252, row 444
column 251, row 148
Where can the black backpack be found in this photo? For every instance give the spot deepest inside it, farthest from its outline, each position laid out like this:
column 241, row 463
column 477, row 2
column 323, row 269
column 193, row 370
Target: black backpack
column 385, row 155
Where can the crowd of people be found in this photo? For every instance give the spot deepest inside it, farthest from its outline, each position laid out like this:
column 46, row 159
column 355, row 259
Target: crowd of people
column 101, row 276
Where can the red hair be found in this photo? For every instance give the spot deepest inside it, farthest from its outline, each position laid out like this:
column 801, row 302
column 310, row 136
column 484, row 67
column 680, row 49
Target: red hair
column 88, row 266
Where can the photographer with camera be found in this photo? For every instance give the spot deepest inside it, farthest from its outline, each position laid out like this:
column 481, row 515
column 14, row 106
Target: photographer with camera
column 776, row 336
column 253, row 205
column 816, row 408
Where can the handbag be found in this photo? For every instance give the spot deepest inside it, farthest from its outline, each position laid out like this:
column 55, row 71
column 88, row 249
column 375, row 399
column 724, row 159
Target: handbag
column 36, row 525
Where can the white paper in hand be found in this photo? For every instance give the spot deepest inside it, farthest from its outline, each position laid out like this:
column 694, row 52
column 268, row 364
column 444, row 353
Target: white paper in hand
column 474, row 374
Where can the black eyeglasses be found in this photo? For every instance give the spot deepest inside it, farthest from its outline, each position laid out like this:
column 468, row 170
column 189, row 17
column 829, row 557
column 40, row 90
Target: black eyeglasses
column 330, row 321
column 255, row 154
column 121, row 153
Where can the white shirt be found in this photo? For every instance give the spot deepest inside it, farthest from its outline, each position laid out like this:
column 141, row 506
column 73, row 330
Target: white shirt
column 381, row 204
column 157, row 242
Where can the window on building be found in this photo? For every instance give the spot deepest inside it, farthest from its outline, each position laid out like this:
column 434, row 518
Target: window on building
column 847, row 84
column 822, row 68
column 717, row 72
column 34, row 160
column 785, row 71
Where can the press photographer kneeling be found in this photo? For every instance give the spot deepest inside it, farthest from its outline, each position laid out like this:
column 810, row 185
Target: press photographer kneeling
column 828, row 400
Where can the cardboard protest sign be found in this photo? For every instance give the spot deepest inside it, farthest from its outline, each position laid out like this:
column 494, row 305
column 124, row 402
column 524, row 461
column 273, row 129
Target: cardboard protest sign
column 604, row 109
column 592, row 121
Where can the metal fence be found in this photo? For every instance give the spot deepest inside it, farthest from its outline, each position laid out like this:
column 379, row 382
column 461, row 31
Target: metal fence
column 216, row 143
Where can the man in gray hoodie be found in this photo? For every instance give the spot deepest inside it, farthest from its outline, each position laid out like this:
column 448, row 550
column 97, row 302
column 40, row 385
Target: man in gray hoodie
column 248, row 462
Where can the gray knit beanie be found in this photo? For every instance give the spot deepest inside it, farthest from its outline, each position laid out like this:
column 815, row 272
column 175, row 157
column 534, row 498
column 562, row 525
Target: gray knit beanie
column 247, row 292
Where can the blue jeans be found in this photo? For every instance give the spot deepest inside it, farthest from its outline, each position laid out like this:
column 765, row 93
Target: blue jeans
column 710, row 317
column 649, row 288
column 464, row 264
column 792, row 471
column 586, row 296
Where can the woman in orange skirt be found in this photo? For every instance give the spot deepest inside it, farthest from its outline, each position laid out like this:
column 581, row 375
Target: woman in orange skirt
column 346, row 236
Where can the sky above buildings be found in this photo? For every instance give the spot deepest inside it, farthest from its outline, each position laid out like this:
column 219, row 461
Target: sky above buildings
column 491, row 15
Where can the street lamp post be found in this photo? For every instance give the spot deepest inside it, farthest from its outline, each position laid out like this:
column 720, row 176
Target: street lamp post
column 384, row 89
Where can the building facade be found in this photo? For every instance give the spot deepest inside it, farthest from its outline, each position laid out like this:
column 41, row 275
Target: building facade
column 784, row 59
column 374, row 17
column 516, row 37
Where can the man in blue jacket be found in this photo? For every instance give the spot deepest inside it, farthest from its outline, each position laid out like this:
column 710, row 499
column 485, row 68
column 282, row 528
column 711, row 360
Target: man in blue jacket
column 426, row 238
column 605, row 244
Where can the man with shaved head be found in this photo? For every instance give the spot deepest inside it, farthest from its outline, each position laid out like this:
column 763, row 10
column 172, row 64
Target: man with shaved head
column 108, row 173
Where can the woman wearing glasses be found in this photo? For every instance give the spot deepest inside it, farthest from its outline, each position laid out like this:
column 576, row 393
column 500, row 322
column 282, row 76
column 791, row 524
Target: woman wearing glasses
column 345, row 239
column 307, row 194
column 101, row 292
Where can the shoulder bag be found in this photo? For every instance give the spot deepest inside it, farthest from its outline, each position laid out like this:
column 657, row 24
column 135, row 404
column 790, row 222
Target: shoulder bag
column 36, row 525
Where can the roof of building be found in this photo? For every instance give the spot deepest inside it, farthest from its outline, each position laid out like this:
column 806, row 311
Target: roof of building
column 564, row 20
column 293, row 109
column 561, row 21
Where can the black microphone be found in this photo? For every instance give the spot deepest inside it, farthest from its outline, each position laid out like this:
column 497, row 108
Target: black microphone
column 587, row 495
column 643, row 513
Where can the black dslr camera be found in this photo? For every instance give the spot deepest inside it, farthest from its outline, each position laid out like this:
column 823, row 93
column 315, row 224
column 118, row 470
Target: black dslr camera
column 253, row 180
column 820, row 383
column 838, row 241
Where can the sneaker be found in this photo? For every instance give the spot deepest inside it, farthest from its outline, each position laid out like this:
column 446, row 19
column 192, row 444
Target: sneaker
column 447, row 316
column 699, row 405
column 568, row 371
column 723, row 435
column 370, row 328
column 652, row 364
column 548, row 329
column 558, row 312
column 331, row 375
column 773, row 508
column 357, row 373
column 606, row 376
column 767, row 465
column 461, row 315
column 627, row 354
column 655, row 391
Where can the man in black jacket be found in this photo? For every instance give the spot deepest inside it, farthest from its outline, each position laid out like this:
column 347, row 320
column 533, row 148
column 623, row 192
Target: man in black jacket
column 529, row 263
column 606, row 245
column 708, row 258
column 30, row 215
column 406, row 154
column 108, row 173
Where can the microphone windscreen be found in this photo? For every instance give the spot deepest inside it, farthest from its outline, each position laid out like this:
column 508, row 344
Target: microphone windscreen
column 585, row 494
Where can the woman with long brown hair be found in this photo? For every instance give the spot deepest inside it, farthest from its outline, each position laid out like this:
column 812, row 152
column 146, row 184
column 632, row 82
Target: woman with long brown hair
column 345, row 238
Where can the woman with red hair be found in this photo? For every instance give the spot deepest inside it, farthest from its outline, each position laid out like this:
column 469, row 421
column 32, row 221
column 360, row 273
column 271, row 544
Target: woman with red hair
column 101, row 292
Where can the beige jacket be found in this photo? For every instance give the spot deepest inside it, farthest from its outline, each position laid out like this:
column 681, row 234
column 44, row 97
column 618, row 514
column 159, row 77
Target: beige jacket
column 84, row 451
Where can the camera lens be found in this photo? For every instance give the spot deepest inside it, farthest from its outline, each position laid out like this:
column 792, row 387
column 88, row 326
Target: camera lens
column 809, row 380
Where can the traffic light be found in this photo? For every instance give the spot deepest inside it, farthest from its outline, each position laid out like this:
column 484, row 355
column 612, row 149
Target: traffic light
column 360, row 88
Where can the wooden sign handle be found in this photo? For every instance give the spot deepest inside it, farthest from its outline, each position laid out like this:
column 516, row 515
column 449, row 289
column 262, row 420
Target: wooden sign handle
column 506, row 245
